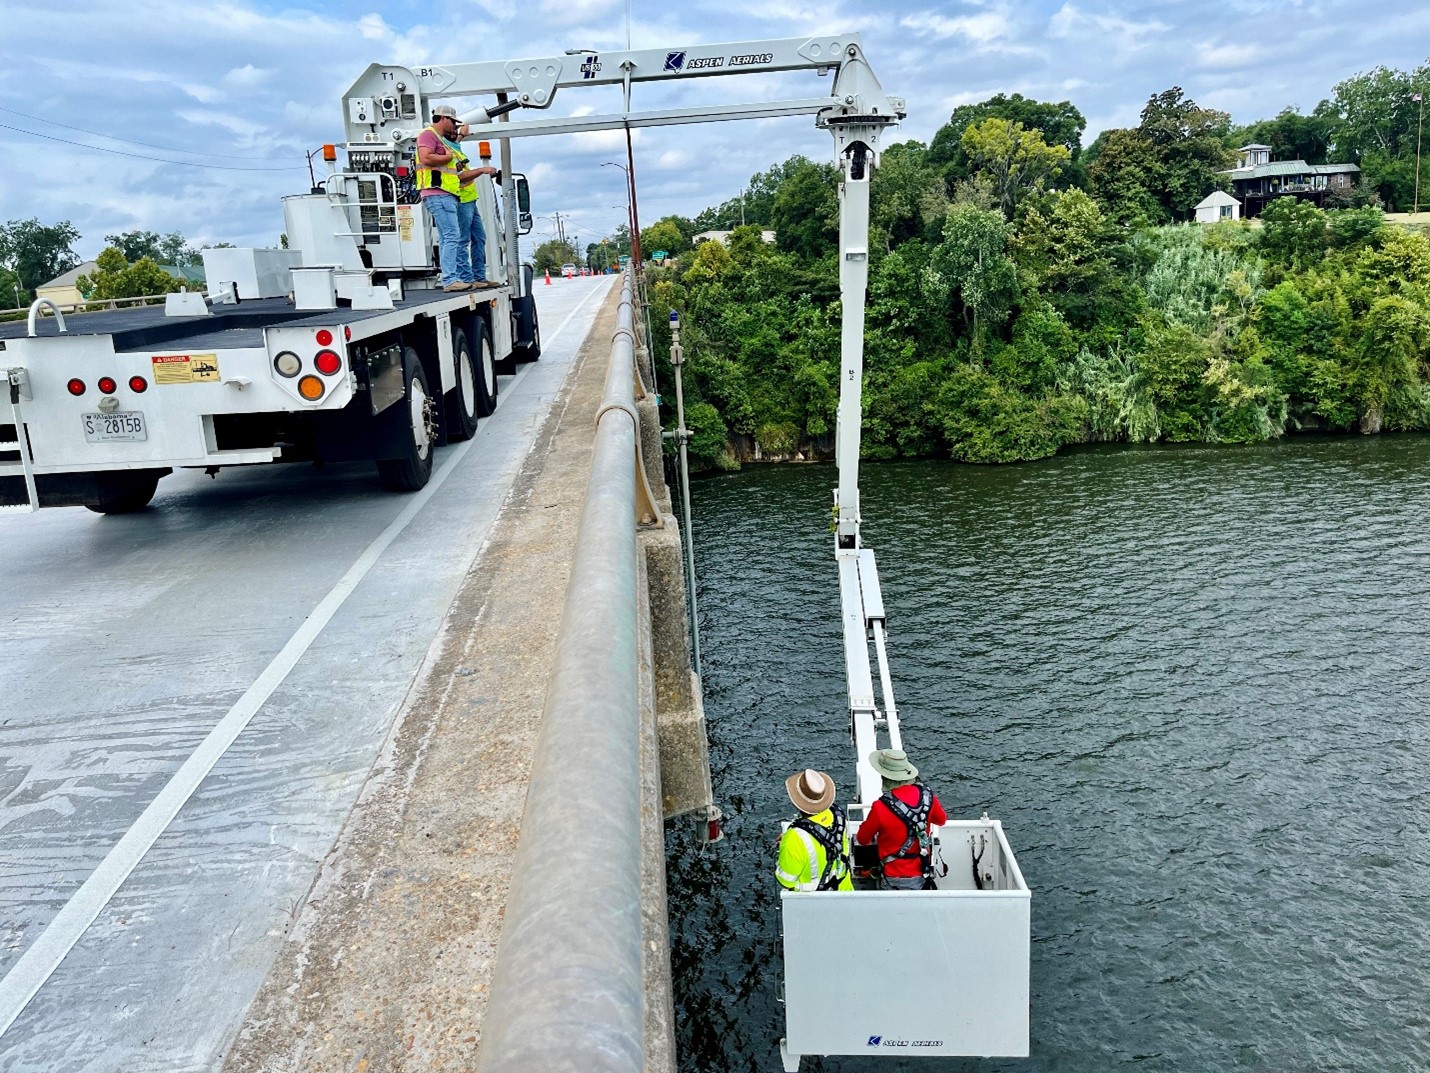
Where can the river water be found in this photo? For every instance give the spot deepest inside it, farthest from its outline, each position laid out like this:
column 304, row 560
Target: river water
column 1192, row 682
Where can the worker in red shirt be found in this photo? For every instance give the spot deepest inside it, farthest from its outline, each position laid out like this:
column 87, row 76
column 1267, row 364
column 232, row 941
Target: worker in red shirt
column 898, row 823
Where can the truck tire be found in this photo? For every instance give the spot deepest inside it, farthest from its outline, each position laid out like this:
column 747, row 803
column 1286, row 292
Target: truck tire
column 462, row 410
column 486, row 368
column 413, row 424
column 123, row 493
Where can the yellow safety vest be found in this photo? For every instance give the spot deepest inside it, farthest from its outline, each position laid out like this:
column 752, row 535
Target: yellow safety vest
column 468, row 190
column 802, row 858
column 442, row 178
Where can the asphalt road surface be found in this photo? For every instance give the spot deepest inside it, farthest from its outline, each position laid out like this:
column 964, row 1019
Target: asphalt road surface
column 190, row 700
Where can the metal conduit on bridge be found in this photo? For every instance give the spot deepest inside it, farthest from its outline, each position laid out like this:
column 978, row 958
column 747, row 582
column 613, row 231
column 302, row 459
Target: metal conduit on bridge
column 567, row 988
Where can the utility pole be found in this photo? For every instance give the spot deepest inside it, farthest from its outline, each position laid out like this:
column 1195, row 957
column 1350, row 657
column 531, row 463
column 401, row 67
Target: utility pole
column 1419, row 99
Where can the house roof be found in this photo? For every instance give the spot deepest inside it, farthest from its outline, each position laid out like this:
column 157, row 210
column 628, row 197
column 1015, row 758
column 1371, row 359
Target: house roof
column 1289, row 167
column 1253, row 145
column 67, row 279
column 187, row 273
column 1216, row 199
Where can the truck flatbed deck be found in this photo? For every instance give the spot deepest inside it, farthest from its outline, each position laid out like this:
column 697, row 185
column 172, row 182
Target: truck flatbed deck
column 144, row 328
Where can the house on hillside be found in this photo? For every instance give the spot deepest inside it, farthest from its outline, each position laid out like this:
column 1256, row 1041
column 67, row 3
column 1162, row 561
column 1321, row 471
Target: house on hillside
column 62, row 290
column 1218, row 206
column 1257, row 179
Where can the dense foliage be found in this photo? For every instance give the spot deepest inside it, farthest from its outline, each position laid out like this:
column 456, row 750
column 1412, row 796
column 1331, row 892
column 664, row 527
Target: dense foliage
column 1025, row 294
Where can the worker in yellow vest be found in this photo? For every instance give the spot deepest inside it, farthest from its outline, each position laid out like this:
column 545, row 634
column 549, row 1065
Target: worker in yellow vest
column 814, row 851
column 471, row 231
column 439, row 168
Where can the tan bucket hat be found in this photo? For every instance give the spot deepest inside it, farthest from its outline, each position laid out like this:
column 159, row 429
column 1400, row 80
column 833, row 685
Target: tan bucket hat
column 893, row 764
column 811, row 791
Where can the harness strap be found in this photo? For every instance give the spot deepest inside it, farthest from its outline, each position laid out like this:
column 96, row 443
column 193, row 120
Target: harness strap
column 836, row 864
column 915, row 821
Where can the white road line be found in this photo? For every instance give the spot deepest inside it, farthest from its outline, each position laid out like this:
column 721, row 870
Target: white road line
column 39, row 962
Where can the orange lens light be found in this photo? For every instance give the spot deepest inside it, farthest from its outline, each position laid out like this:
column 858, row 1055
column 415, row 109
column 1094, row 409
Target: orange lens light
column 484, row 150
column 311, row 388
column 330, row 152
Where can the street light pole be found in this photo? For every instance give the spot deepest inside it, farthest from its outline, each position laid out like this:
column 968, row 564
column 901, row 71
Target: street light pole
column 1419, row 98
column 630, row 210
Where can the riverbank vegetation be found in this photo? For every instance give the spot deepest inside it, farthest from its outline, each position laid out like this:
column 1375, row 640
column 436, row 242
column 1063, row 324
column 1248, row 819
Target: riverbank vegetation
column 1026, row 293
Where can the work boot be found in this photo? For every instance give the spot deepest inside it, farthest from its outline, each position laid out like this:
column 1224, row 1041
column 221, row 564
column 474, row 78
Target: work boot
column 482, row 284
column 455, row 285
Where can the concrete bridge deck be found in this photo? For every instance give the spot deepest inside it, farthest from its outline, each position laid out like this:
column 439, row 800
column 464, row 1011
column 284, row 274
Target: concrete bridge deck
column 166, row 621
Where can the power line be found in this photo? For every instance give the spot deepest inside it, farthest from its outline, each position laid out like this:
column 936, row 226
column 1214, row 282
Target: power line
column 141, row 156
column 116, row 138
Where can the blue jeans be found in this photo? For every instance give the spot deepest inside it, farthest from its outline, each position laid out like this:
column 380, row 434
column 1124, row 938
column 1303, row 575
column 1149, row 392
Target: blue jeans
column 475, row 232
column 443, row 210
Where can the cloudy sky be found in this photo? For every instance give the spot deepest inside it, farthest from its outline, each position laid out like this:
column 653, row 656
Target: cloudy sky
column 243, row 87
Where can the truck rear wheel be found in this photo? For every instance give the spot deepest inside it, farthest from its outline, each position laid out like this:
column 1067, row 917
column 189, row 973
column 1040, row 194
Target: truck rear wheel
column 123, row 493
column 462, row 411
column 413, row 424
column 486, row 368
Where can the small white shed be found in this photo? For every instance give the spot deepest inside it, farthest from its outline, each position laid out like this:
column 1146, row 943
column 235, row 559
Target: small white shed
column 1218, row 206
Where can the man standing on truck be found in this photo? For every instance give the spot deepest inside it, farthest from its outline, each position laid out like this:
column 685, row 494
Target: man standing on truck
column 439, row 167
column 469, row 219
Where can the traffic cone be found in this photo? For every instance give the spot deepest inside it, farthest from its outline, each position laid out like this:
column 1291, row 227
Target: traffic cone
column 548, row 277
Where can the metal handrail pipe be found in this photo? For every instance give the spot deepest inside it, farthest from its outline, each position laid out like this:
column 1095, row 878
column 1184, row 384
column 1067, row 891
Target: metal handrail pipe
column 567, row 993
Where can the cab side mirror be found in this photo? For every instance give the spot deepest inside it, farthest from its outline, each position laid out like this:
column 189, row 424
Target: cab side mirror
column 524, row 222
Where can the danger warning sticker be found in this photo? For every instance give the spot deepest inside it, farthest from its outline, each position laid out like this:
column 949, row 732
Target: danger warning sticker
column 185, row 368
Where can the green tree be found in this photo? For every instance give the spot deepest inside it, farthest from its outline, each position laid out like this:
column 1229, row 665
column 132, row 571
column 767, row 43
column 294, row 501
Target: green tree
column 1125, row 174
column 552, row 254
column 115, row 277
column 907, row 198
column 37, row 252
column 1377, row 128
column 170, row 249
column 1191, row 149
column 1015, row 159
column 1294, row 232
column 974, row 262
column 1293, row 136
column 663, row 235
column 1059, row 123
column 805, row 215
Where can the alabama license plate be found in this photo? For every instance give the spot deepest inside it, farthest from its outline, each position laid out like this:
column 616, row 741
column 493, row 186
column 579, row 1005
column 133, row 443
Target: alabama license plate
column 122, row 425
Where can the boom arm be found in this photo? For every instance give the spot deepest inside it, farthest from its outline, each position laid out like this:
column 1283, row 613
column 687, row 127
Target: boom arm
column 390, row 104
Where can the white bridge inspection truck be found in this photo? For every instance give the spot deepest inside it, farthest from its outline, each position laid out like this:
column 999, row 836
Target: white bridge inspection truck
column 341, row 348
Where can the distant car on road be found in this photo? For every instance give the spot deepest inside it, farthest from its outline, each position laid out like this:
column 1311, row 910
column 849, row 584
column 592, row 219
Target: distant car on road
column 568, row 271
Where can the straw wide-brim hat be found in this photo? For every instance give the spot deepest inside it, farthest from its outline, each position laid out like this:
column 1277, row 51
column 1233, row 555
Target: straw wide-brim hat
column 893, row 765
column 811, row 791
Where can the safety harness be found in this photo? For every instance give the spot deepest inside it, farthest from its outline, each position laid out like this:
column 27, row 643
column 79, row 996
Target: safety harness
column 836, row 862
column 915, row 821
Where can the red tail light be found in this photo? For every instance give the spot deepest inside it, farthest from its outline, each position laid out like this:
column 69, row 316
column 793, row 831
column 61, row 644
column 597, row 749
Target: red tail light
column 106, row 385
column 347, row 333
column 138, row 385
column 324, row 337
column 327, row 362
column 76, row 387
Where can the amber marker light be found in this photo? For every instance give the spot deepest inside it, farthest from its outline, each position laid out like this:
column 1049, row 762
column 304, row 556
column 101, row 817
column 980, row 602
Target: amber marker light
column 311, row 388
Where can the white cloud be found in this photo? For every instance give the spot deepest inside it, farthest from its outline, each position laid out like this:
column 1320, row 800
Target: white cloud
column 982, row 28
column 1228, row 56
